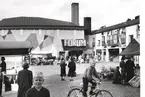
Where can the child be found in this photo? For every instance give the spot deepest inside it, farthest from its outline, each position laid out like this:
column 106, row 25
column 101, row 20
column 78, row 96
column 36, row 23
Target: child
column 38, row 90
column 88, row 77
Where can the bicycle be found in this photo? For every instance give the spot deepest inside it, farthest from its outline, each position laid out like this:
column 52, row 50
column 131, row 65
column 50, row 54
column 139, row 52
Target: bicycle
column 77, row 91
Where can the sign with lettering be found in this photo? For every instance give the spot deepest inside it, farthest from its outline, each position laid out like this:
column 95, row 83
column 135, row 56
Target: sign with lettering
column 74, row 44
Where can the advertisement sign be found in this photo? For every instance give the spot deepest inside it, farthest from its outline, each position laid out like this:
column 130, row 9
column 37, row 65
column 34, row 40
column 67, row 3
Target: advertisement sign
column 74, row 44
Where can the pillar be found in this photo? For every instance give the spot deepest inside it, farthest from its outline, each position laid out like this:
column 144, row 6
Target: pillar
column 120, row 50
column 107, row 55
column 102, row 55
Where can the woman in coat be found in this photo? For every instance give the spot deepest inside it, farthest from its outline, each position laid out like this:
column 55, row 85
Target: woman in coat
column 72, row 69
column 25, row 80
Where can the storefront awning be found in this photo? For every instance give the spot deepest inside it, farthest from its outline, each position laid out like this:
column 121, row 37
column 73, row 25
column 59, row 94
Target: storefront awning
column 15, row 48
column 132, row 49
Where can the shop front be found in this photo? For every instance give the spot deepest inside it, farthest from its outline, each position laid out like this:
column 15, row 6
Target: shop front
column 74, row 47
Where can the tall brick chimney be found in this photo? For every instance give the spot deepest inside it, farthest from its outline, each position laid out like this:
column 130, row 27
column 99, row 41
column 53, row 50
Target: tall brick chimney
column 87, row 25
column 75, row 13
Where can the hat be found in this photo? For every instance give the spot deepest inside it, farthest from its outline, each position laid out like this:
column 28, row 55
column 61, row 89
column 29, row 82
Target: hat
column 25, row 65
column 38, row 74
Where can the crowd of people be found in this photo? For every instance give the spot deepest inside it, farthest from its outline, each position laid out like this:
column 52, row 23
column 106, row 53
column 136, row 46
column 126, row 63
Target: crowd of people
column 128, row 69
column 30, row 85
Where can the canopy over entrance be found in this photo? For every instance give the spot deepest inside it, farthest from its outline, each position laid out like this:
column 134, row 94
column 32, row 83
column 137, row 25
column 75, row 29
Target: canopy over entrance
column 15, row 48
column 132, row 49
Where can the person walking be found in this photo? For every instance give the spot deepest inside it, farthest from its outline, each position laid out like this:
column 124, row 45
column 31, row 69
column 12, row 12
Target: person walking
column 25, row 78
column 129, row 68
column 123, row 70
column 3, row 65
column 72, row 69
column 62, row 69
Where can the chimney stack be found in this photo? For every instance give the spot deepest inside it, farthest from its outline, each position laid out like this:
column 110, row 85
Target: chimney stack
column 87, row 25
column 75, row 13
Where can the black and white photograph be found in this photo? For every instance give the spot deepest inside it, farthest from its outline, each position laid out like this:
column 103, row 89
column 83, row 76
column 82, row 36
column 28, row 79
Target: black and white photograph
column 70, row 48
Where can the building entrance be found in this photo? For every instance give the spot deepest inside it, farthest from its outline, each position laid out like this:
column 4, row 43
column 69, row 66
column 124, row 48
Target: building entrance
column 113, row 54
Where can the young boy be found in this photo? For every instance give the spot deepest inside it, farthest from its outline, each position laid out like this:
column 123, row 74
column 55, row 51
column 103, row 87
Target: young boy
column 88, row 77
column 38, row 90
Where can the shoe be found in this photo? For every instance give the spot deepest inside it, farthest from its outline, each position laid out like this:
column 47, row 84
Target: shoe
column 91, row 92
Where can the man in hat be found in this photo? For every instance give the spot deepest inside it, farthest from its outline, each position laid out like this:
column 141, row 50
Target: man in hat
column 25, row 78
column 38, row 90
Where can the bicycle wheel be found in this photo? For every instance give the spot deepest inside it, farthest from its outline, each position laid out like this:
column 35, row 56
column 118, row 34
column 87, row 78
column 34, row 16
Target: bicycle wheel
column 103, row 93
column 76, row 92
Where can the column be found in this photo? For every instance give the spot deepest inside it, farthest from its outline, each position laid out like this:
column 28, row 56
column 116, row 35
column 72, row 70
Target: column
column 107, row 55
column 120, row 50
column 102, row 55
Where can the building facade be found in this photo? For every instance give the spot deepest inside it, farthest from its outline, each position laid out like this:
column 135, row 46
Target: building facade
column 110, row 41
column 46, row 35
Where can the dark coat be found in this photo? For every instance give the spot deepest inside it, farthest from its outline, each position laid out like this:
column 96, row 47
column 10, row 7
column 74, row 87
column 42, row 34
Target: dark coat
column 116, row 77
column 3, row 66
column 123, row 68
column 130, row 69
column 25, row 78
column 62, row 68
column 72, row 69
column 32, row 92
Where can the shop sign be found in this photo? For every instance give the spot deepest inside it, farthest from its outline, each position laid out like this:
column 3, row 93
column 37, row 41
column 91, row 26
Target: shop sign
column 74, row 43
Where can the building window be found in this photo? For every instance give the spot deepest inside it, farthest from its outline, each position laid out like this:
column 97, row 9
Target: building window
column 108, row 40
column 115, row 39
column 123, row 36
column 103, row 40
column 98, row 42
column 93, row 43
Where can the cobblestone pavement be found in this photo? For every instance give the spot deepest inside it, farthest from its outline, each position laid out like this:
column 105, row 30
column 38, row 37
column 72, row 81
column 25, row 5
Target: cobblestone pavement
column 60, row 88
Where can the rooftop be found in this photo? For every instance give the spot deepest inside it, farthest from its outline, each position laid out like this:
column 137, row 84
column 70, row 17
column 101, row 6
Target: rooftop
column 36, row 23
column 117, row 26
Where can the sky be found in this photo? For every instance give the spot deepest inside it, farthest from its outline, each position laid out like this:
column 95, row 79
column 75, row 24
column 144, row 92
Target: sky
column 102, row 12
